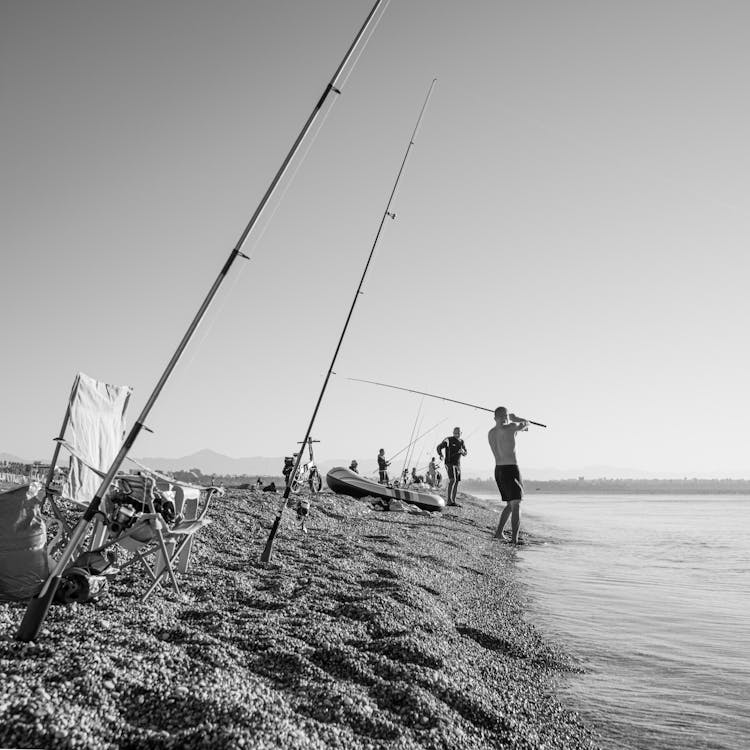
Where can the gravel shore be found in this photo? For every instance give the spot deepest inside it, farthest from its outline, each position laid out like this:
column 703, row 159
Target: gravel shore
column 374, row 630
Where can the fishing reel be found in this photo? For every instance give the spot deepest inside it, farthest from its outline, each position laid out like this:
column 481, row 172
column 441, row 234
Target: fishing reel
column 123, row 517
column 303, row 510
column 85, row 580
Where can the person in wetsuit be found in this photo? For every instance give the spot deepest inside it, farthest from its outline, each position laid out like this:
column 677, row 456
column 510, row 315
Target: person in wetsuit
column 454, row 447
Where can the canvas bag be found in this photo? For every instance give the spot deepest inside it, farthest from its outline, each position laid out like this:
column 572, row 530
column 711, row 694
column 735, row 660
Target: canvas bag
column 24, row 565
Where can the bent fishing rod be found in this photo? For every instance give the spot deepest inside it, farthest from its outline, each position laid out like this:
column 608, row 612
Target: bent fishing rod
column 433, row 395
column 268, row 550
column 38, row 607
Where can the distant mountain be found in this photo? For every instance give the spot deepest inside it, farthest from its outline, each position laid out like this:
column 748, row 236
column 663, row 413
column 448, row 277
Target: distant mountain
column 12, row 459
column 211, row 462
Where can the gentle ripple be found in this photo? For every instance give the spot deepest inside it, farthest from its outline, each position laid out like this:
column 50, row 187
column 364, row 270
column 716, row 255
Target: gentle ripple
column 652, row 594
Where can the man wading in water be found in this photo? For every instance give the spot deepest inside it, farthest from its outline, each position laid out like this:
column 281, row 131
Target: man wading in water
column 502, row 439
column 454, row 448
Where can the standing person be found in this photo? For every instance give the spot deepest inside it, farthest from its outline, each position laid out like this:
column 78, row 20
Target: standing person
column 502, row 439
column 383, row 467
column 454, row 448
column 288, row 466
column 431, row 471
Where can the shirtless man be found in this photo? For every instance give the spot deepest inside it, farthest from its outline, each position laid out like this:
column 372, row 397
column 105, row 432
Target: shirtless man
column 502, row 439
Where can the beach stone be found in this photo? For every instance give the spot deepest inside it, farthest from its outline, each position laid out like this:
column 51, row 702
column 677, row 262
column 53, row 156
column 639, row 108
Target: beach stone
column 374, row 630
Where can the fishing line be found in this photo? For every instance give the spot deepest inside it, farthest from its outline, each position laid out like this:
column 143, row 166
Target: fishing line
column 366, row 42
column 38, row 607
column 434, row 395
column 209, row 324
column 406, row 447
column 290, row 180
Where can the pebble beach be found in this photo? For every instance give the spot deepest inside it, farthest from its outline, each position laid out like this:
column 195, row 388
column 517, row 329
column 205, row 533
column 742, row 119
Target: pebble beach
column 376, row 629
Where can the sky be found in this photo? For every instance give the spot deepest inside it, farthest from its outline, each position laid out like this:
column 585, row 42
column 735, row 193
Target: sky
column 569, row 242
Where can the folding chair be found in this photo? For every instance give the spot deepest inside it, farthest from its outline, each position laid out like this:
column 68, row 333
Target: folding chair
column 95, row 421
column 159, row 547
column 131, row 514
column 191, row 501
column 137, row 519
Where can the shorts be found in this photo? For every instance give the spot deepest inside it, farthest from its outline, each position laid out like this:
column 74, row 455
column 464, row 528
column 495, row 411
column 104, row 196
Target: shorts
column 454, row 472
column 508, row 478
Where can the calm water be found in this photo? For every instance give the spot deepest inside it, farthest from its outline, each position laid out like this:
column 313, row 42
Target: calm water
column 652, row 594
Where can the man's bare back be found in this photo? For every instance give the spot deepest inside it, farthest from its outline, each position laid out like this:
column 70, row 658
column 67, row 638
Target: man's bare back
column 502, row 440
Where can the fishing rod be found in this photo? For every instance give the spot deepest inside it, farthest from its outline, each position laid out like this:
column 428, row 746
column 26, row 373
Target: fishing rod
column 409, row 445
column 268, row 550
column 433, row 395
column 411, row 438
column 406, row 447
column 38, row 607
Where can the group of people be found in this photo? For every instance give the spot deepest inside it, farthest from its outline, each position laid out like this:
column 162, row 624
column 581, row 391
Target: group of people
column 433, row 477
column 502, row 441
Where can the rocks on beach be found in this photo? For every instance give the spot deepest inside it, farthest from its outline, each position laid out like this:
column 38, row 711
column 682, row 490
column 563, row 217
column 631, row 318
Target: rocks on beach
column 373, row 630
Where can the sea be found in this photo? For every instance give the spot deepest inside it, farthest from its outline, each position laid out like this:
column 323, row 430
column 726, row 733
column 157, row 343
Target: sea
column 650, row 594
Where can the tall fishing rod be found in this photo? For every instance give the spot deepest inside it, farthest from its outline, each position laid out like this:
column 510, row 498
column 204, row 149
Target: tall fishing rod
column 433, row 395
column 268, row 550
column 38, row 607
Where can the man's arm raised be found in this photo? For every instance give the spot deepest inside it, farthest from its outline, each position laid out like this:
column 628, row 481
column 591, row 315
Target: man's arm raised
column 519, row 423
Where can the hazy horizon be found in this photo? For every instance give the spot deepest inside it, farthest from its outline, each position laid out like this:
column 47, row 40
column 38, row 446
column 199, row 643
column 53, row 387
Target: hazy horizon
column 470, row 470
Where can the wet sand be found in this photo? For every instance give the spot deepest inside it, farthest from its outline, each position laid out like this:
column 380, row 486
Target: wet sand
column 374, row 630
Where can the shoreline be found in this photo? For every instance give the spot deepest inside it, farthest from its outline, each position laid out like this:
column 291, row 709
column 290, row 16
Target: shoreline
column 374, row 630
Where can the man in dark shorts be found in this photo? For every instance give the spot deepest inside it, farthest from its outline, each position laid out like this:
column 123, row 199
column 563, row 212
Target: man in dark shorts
column 454, row 448
column 502, row 439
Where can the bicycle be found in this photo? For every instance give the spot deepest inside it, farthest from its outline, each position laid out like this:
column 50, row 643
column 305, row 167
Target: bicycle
column 308, row 474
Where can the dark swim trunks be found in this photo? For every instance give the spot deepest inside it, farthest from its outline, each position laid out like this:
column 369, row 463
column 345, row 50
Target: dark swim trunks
column 454, row 472
column 508, row 478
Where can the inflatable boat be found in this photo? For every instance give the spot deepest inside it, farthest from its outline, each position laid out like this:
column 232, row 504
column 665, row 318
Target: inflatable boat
column 346, row 482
